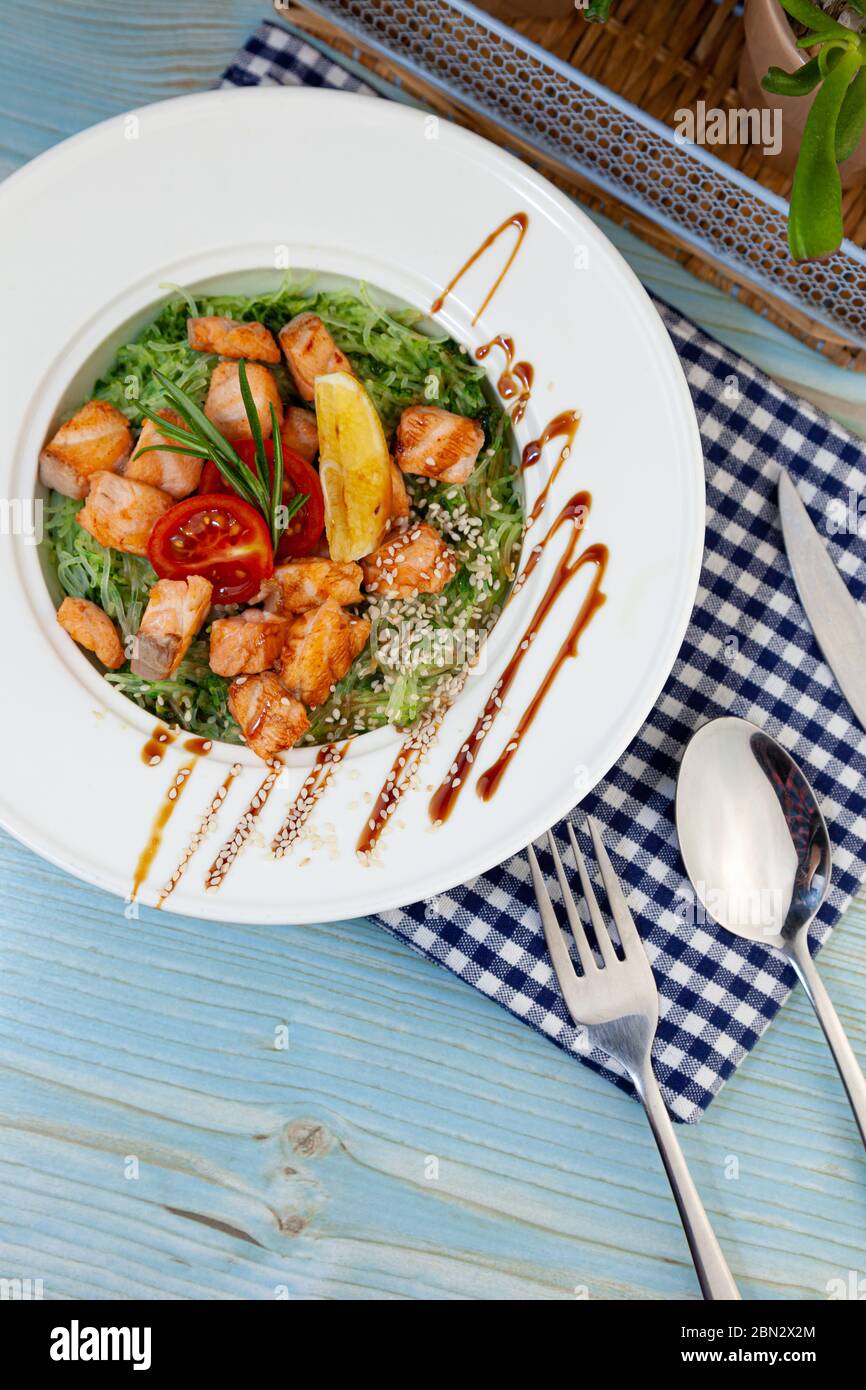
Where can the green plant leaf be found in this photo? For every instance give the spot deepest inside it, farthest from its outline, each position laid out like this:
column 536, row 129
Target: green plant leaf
column 810, row 40
column 597, row 11
column 793, row 84
column 815, row 20
column 815, row 226
column 852, row 117
column 831, row 52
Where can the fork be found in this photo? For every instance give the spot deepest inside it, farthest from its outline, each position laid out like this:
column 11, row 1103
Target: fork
column 618, row 1005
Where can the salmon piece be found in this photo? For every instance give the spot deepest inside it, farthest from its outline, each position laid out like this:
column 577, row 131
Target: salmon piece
column 320, row 647
column 121, row 512
column 176, row 474
column 96, row 439
column 224, row 406
column 175, row 611
column 246, row 644
column 229, row 338
column 399, row 495
column 301, row 584
column 437, row 444
column 300, row 432
column 310, row 352
column 270, row 718
column 90, row 627
column 413, row 561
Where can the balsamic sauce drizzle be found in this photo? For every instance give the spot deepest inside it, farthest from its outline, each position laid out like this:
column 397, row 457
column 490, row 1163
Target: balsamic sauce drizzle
column 520, row 220
column 200, row 746
column 593, row 555
column 243, row 830
column 401, row 777
column 575, row 513
column 161, row 819
column 156, row 746
column 515, row 381
column 312, row 789
column 564, row 425
column 152, row 754
column 201, row 832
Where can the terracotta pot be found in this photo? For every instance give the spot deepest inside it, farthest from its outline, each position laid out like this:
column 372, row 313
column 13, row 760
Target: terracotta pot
column 770, row 43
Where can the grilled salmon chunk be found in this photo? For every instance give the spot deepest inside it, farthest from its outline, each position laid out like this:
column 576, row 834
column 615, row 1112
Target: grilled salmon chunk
column 301, row 584
column 310, row 352
column 93, row 629
column 320, row 647
column 270, row 718
column 175, row 611
column 96, row 439
column 246, row 644
column 413, row 561
column 437, row 444
column 121, row 512
column 399, row 495
column 300, row 433
column 176, row 474
column 229, row 338
column 224, row 406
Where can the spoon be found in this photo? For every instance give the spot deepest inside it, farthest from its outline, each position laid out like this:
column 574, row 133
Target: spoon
column 756, row 849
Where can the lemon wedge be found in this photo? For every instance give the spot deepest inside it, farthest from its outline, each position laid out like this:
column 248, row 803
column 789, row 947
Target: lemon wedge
column 354, row 467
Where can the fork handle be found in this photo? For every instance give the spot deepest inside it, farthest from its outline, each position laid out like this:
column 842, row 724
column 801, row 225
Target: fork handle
column 711, row 1267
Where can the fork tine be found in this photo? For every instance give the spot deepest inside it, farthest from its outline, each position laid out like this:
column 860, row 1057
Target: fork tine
column 553, row 936
column 602, row 934
column 628, row 932
column 584, row 950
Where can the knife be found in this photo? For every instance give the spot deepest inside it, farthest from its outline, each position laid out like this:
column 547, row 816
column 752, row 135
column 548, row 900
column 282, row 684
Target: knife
column 837, row 620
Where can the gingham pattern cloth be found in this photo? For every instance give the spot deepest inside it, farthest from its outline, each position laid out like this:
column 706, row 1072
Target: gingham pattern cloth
column 748, row 651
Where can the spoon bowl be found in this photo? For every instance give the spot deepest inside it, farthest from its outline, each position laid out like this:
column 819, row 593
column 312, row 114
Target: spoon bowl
column 752, row 836
column 756, row 848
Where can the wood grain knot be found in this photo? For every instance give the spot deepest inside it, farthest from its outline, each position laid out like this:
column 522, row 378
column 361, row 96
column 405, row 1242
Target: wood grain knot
column 308, row 1138
column 293, row 1225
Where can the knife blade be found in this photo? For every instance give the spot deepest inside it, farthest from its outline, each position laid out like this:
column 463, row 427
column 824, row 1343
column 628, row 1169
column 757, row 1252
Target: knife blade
column 837, row 620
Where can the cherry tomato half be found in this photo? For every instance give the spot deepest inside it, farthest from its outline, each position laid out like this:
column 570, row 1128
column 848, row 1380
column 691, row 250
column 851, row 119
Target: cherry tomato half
column 219, row 536
column 299, row 477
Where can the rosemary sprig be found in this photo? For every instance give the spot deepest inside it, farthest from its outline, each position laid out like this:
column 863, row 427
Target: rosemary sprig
column 278, row 522
column 261, row 487
column 274, row 497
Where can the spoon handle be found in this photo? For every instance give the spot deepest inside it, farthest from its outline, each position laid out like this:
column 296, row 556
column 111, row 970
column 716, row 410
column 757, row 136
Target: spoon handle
column 843, row 1053
column 711, row 1267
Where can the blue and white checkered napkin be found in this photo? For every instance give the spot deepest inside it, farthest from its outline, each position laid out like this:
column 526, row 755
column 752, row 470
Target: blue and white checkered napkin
column 748, row 651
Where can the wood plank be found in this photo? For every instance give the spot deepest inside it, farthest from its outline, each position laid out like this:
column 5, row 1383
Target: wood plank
column 309, row 1168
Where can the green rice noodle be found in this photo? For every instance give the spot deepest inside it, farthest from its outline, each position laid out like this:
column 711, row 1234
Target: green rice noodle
column 422, row 645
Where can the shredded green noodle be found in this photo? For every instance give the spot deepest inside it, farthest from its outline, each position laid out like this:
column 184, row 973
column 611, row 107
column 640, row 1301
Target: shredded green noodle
column 419, row 644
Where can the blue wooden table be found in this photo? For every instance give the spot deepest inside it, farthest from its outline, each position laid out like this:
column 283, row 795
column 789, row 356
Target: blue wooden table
column 411, row 1140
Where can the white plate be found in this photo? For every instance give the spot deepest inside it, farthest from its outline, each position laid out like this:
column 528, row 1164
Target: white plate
column 222, row 188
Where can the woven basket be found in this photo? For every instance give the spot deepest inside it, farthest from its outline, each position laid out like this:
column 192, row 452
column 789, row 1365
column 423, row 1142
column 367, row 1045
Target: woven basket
column 661, row 58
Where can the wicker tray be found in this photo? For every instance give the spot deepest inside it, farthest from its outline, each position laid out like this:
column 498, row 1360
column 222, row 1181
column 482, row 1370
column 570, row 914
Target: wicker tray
column 648, row 61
